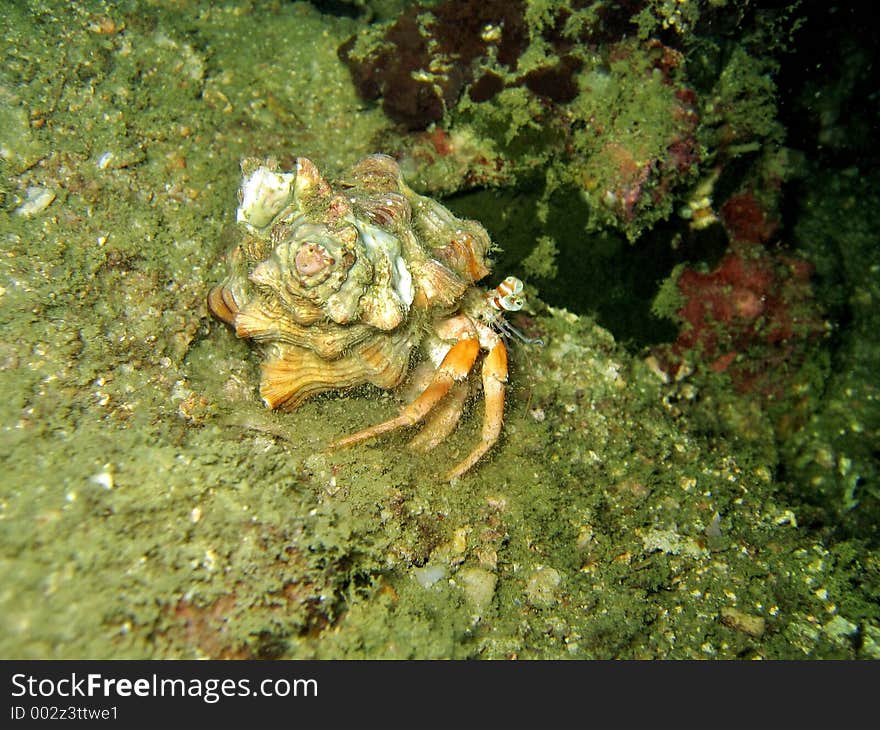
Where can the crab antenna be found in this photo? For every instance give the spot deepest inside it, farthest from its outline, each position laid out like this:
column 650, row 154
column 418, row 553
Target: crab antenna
column 510, row 331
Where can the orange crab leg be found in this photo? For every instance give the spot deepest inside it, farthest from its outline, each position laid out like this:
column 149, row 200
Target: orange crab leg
column 442, row 420
column 494, row 375
column 455, row 367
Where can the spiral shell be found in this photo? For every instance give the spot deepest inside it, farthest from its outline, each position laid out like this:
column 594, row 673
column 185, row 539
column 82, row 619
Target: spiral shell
column 336, row 283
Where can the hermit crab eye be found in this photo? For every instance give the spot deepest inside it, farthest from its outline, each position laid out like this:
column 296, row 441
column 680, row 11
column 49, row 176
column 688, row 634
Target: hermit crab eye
column 506, row 296
column 511, row 303
column 311, row 258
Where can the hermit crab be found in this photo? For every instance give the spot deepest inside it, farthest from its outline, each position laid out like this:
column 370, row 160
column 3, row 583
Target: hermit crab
column 343, row 284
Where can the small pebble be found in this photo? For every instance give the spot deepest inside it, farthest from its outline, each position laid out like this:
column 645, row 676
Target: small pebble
column 741, row 621
column 541, row 587
column 36, row 201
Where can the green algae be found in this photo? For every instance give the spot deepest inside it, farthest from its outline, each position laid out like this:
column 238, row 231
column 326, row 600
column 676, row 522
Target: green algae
column 152, row 508
column 834, row 456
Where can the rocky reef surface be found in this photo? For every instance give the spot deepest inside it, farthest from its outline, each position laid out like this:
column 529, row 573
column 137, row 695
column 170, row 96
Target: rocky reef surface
column 696, row 480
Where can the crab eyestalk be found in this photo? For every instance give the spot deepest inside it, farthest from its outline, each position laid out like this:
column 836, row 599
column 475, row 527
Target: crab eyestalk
column 506, row 297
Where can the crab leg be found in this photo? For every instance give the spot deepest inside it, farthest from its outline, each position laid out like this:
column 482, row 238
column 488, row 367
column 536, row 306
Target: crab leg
column 494, row 375
column 442, row 420
column 455, row 367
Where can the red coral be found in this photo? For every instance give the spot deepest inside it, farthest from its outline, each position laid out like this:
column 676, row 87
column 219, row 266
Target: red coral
column 748, row 316
column 746, row 219
column 734, row 294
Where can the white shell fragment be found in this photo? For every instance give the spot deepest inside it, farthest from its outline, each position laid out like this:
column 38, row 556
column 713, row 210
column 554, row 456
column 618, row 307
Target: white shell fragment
column 429, row 575
column 36, row 201
column 264, row 194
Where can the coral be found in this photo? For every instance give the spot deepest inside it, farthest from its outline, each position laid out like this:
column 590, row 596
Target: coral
column 421, row 63
column 740, row 109
column 751, row 316
column 425, row 57
column 746, row 219
column 444, row 162
column 506, row 89
column 638, row 143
